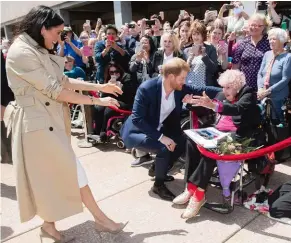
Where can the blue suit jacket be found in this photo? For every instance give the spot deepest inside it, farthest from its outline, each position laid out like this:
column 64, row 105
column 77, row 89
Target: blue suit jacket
column 145, row 117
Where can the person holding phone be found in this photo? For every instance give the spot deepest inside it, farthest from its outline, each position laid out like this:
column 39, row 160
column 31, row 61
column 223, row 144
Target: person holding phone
column 70, row 47
column 216, row 33
column 184, row 37
column 141, row 63
column 237, row 16
column 133, row 38
column 201, row 57
column 110, row 50
column 114, row 74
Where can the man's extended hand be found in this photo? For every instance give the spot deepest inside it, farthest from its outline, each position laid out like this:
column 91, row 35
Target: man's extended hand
column 168, row 142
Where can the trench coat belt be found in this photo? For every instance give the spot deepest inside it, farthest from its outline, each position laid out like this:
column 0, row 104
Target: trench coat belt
column 9, row 114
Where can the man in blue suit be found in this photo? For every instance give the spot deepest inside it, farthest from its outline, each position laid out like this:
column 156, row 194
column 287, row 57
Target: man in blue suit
column 154, row 125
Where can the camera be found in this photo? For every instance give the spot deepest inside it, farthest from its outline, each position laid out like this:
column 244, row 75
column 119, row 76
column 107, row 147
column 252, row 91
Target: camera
column 229, row 6
column 131, row 26
column 64, row 35
column 150, row 22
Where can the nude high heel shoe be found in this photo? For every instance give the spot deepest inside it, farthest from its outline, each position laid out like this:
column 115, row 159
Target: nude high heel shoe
column 101, row 228
column 45, row 235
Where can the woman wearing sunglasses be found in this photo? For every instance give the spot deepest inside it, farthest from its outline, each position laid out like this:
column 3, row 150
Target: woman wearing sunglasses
column 114, row 74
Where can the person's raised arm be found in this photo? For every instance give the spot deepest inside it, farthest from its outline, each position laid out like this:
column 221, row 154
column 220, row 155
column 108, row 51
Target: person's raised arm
column 76, row 49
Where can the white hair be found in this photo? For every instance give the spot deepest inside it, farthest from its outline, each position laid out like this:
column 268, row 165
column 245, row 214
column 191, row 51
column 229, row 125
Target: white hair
column 280, row 34
column 233, row 78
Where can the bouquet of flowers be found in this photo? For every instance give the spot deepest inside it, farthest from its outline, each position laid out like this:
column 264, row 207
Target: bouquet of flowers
column 230, row 146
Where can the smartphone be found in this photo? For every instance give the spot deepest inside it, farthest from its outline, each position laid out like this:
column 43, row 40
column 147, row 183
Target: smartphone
column 63, row 35
column 138, row 47
column 99, row 20
column 87, row 51
column 182, row 12
column 262, row 5
column 162, row 15
column 229, row 6
column 131, row 26
column 88, row 21
column 150, row 22
column 113, row 78
column 221, row 42
column 110, row 38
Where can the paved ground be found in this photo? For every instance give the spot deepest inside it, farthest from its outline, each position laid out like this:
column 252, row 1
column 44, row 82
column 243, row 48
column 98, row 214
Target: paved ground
column 124, row 194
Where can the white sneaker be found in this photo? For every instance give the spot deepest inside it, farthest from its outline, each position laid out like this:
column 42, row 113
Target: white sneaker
column 183, row 198
column 193, row 208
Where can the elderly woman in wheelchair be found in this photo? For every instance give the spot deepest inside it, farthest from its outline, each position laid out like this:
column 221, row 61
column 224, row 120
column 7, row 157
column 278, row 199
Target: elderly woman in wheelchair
column 238, row 113
column 101, row 115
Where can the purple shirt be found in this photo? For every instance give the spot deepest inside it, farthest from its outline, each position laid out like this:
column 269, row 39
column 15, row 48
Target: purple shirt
column 250, row 58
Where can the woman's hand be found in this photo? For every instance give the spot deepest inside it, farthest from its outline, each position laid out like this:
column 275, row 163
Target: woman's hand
column 108, row 101
column 222, row 49
column 232, row 36
column 68, row 40
column 139, row 56
column 203, row 100
column 262, row 93
column 111, row 89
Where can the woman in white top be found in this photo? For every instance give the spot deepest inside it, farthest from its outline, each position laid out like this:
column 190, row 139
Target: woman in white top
column 170, row 48
column 237, row 17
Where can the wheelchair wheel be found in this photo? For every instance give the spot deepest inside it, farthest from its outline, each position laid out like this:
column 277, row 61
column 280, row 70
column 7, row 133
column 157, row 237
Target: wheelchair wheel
column 120, row 144
column 133, row 153
column 185, row 124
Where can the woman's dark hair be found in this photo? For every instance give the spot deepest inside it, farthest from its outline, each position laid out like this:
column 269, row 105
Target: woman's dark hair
column 34, row 21
column 187, row 24
column 107, row 69
column 152, row 44
column 111, row 27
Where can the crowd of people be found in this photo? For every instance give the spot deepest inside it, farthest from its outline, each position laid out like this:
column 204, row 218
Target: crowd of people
column 150, row 67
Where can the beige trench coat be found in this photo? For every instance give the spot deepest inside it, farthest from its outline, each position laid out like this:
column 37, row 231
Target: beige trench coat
column 45, row 163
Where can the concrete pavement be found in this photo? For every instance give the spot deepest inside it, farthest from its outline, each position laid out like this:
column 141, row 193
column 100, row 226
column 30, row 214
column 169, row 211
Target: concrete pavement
column 124, row 194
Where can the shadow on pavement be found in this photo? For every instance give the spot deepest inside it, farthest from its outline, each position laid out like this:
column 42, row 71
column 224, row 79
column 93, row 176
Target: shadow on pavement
column 6, row 232
column 86, row 233
column 8, row 191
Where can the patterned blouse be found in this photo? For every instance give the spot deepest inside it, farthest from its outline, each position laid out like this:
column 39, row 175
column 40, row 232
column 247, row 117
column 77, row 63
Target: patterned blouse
column 250, row 58
column 197, row 74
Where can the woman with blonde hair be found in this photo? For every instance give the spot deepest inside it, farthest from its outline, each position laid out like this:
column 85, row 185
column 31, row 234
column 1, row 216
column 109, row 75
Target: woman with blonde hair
column 249, row 54
column 170, row 48
column 202, row 58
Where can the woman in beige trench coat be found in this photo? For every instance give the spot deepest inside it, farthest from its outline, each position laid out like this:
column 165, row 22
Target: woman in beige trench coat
column 51, row 183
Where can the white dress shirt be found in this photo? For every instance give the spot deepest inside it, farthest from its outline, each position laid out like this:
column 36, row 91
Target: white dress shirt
column 167, row 106
column 168, row 58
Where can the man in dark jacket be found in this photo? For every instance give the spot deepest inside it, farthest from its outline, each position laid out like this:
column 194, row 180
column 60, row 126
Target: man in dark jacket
column 110, row 50
column 154, row 125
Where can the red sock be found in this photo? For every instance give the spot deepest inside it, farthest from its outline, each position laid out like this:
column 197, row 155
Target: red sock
column 191, row 187
column 198, row 195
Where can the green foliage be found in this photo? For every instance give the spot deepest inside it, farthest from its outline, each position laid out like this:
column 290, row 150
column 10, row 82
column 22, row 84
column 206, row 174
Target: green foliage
column 234, row 146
